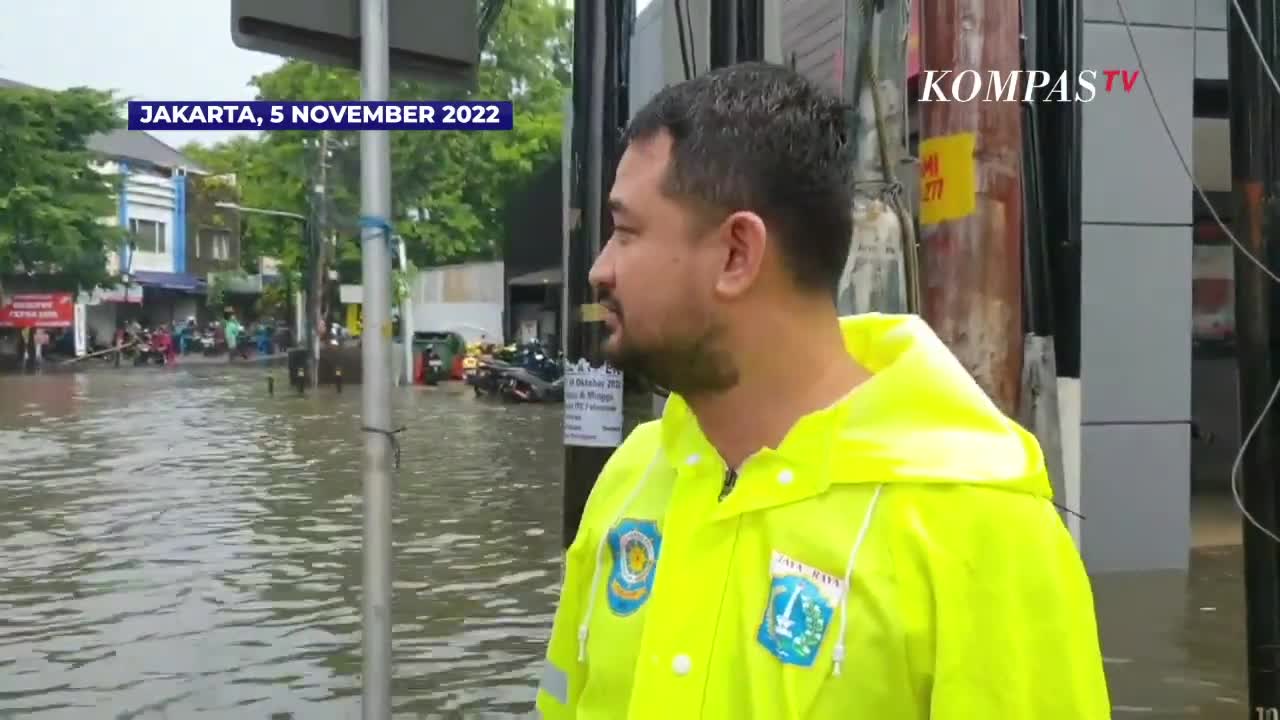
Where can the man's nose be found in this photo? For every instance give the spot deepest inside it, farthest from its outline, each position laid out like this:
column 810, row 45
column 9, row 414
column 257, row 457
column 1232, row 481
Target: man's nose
column 601, row 274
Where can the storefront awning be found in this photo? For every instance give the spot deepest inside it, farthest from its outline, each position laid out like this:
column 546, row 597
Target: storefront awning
column 169, row 281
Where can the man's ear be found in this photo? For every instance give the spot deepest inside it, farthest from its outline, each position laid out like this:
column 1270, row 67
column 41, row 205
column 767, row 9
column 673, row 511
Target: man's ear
column 745, row 240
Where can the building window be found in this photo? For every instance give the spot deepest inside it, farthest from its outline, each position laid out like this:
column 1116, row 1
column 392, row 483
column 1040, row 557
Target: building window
column 148, row 234
column 213, row 244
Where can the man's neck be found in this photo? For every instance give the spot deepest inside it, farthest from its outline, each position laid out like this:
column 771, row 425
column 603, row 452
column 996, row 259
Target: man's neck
column 776, row 389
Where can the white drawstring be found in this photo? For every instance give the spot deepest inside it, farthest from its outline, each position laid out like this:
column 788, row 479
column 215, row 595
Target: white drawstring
column 847, row 586
column 584, row 628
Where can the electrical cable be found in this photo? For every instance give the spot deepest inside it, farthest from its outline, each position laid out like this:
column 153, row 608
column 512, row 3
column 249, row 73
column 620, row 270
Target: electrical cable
column 693, row 42
column 684, row 47
column 1186, row 168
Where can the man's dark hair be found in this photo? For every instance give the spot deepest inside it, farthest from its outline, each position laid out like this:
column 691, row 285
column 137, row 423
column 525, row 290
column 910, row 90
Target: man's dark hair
column 762, row 138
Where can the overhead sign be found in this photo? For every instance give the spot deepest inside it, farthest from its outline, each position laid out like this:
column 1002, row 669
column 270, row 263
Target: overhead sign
column 31, row 310
column 435, row 40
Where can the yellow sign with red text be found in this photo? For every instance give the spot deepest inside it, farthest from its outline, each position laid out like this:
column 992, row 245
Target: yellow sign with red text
column 948, row 178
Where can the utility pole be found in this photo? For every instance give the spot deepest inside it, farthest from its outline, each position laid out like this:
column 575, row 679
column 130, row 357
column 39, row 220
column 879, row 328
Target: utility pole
column 971, row 196
column 319, row 261
column 375, row 246
column 881, row 273
column 1255, row 170
column 600, row 62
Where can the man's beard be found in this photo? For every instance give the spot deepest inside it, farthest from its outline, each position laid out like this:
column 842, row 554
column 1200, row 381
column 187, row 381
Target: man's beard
column 688, row 367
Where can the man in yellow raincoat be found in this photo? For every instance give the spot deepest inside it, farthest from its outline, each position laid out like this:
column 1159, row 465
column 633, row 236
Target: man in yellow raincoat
column 830, row 521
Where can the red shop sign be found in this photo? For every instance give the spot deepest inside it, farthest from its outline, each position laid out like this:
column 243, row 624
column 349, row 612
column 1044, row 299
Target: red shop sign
column 29, row 310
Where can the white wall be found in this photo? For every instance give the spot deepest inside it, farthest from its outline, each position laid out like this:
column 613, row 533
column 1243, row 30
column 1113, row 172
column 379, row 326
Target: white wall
column 466, row 298
column 152, row 198
column 470, row 320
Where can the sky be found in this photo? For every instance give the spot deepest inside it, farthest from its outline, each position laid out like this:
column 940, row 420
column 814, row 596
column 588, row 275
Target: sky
column 144, row 49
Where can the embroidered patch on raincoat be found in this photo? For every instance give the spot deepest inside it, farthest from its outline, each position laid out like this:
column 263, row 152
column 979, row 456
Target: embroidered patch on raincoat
column 801, row 603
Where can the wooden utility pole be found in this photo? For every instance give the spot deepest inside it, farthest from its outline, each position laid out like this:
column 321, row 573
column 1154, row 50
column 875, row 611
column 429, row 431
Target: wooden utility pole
column 1255, row 170
column 971, row 194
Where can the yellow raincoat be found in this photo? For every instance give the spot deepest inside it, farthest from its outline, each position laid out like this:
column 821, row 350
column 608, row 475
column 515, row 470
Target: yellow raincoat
column 967, row 599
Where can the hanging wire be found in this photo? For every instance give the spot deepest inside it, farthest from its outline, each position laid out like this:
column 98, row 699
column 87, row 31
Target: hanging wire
column 1244, row 250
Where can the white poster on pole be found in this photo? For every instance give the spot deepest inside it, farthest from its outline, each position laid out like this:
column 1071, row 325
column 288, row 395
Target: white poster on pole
column 592, row 405
column 81, row 330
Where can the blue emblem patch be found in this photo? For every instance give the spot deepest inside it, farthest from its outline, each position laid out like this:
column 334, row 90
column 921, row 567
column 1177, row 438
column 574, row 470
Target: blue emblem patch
column 635, row 545
column 796, row 617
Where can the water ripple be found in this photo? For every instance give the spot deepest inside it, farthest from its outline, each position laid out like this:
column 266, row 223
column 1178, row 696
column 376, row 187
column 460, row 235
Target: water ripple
column 177, row 545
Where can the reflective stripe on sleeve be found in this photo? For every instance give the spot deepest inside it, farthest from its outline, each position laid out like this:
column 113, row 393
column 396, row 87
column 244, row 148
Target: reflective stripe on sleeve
column 554, row 682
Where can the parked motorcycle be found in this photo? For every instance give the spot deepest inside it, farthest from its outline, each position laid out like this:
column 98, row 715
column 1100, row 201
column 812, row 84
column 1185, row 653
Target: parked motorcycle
column 521, row 385
column 518, row 373
column 488, row 377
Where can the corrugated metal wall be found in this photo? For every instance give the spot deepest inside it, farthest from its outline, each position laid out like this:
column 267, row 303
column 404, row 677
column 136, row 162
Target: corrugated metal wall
column 812, row 35
column 813, row 38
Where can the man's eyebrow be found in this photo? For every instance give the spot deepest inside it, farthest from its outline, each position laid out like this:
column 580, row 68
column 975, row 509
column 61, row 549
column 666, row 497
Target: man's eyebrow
column 618, row 207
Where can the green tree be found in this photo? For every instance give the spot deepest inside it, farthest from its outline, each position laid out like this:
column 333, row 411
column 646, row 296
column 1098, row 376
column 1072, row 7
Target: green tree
column 52, row 201
column 448, row 188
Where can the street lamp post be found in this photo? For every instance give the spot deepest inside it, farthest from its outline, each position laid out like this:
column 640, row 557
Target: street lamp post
column 311, row 336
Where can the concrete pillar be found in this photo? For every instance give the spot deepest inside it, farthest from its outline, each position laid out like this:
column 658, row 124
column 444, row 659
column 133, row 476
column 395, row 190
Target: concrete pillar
column 1135, row 395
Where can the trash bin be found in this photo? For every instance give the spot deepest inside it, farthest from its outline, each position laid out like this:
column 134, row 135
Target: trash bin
column 445, row 345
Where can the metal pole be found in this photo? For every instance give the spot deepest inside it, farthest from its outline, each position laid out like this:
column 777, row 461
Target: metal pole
column 724, row 32
column 406, row 315
column 1040, row 410
column 1054, row 28
column 375, row 203
column 880, row 274
column 971, row 197
column 750, row 30
column 319, row 266
column 1254, row 170
column 597, row 58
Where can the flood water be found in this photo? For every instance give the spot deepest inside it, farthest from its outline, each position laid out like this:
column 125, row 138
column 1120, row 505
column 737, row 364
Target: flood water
column 176, row 544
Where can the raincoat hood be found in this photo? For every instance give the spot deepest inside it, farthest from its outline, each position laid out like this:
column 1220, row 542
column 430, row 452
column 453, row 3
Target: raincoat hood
column 920, row 418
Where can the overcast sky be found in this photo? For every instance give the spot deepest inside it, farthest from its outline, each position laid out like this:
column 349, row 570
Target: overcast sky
column 145, row 49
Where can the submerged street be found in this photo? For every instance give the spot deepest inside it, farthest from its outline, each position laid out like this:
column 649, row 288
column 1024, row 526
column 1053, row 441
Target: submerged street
column 177, row 544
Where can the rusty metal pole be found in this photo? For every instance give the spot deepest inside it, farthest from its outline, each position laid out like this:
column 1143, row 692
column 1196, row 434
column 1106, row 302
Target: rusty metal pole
column 971, row 192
